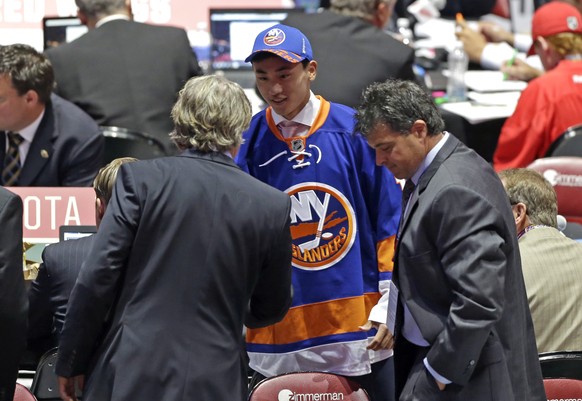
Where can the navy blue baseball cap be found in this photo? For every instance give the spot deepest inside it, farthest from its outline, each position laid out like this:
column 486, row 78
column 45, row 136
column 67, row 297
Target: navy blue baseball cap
column 284, row 41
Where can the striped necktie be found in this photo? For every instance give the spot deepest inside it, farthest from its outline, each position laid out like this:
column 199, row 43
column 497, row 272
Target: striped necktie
column 12, row 166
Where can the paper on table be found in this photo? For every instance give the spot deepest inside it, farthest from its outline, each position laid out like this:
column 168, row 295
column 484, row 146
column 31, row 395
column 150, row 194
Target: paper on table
column 491, row 81
column 484, row 106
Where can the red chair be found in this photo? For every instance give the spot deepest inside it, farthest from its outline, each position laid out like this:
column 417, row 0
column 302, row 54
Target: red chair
column 310, row 386
column 563, row 389
column 21, row 393
column 565, row 175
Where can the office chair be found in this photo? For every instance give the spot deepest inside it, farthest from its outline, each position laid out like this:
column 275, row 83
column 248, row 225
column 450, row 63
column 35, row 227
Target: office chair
column 21, row 393
column 45, row 385
column 563, row 389
column 567, row 144
column 310, row 385
column 561, row 365
column 565, row 175
column 121, row 142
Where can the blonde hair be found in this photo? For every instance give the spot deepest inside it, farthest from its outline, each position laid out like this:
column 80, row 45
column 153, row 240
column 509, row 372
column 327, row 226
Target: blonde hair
column 210, row 115
column 105, row 179
column 566, row 43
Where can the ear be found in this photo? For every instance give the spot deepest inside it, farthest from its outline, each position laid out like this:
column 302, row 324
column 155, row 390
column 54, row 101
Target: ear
column 548, row 55
column 82, row 17
column 520, row 216
column 31, row 97
column 419, row 129
column 312, row 69
column 100, row 208
column 382, row 14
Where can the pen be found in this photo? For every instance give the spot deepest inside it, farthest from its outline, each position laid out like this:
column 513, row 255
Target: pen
column 460, row 22
column 509, row 64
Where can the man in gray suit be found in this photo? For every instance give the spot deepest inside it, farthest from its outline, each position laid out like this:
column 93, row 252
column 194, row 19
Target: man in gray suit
column 190, row 248
column 458, row 308
column 13, row 303
column 124, row 73
column 551, row 261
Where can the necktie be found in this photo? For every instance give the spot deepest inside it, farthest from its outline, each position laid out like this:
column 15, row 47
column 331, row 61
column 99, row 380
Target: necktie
column 291, row 129
column 406, row 193
column 11, row 169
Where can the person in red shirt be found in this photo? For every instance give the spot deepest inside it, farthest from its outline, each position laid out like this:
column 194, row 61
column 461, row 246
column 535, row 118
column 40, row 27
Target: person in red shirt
column 551, row 103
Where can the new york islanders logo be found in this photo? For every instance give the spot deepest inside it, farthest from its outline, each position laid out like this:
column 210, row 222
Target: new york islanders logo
column 274, row 37
column 323, row 225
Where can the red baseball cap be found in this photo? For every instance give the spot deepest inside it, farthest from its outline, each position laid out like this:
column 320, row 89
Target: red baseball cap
column 553, row 18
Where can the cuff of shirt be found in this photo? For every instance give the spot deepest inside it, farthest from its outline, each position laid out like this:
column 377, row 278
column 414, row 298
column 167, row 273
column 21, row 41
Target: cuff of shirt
column 435, row 374
column 495, row 54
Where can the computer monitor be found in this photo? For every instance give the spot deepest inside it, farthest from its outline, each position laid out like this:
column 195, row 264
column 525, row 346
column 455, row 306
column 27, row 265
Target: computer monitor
column 233, row 32
column 59, row 30
column 74, row 232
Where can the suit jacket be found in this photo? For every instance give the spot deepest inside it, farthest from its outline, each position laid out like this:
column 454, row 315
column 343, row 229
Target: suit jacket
column 459, row 273
column 351, row 54
column 49, row 292
column 553, row 293
column 126, row 74
column 188, row 246
column 67, row 149
column 13, row 303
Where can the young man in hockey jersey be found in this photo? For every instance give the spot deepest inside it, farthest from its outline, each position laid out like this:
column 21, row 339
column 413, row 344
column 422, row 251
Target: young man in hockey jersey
column 344, row 218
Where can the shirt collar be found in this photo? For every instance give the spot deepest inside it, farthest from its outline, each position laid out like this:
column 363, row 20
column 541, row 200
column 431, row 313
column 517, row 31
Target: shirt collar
column 113, row 17
column 429, row 158
column 306, row 116
column 28, row 132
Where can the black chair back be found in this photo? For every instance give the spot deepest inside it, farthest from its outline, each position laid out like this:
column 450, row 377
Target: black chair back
column 121, row 142
column 566, row 364
column 567, row 144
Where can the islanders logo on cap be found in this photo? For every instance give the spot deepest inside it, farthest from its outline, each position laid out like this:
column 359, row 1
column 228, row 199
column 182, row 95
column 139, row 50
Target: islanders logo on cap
column 274, row 37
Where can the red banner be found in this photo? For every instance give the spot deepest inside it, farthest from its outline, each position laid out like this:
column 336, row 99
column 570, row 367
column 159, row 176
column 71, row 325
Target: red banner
column 46, row 209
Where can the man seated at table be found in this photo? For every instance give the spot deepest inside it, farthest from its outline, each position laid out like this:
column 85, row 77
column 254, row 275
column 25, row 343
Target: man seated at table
column 550, row 261
column 49, row 292
column 551, row 103
column 45, row 141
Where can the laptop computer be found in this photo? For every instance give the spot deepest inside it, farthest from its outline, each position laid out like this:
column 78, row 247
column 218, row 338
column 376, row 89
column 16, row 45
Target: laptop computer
column 74, row 232
column 233, row 32
column 59, row 30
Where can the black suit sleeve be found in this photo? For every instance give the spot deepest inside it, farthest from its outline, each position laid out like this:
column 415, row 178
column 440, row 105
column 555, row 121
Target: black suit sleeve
column 272, row 295
column 13, row 302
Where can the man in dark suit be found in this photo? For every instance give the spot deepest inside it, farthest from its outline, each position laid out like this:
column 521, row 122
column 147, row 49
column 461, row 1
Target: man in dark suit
column 124, row 73
column 13, row 303
column 44, row 140
column 353, row 50
column 190, row 248
column 458, row 307
column 49, row 292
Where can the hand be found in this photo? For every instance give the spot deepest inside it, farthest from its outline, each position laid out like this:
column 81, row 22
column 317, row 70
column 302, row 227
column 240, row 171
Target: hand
column 440, row 385
column 494, row 33
column 473, row 41
column 67, row 387
column 520, row 70
column 383, row 338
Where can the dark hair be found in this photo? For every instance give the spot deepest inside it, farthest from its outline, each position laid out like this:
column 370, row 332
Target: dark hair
column 28, row 70
column 397, row 104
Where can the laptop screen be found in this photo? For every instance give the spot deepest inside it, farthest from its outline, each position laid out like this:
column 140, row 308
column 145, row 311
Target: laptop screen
column 75, row 232
column 233, row 33
column 58, row 30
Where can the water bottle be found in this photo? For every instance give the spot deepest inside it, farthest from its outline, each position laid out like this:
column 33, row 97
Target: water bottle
column 403, row 28
column 457, row 64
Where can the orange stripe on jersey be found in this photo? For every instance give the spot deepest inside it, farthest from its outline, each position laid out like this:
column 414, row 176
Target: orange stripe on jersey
column 319, row 120
column 385, row 249
column 325, row 318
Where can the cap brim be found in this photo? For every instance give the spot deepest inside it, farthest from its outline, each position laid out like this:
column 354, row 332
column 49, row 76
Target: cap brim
column 284, row 54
